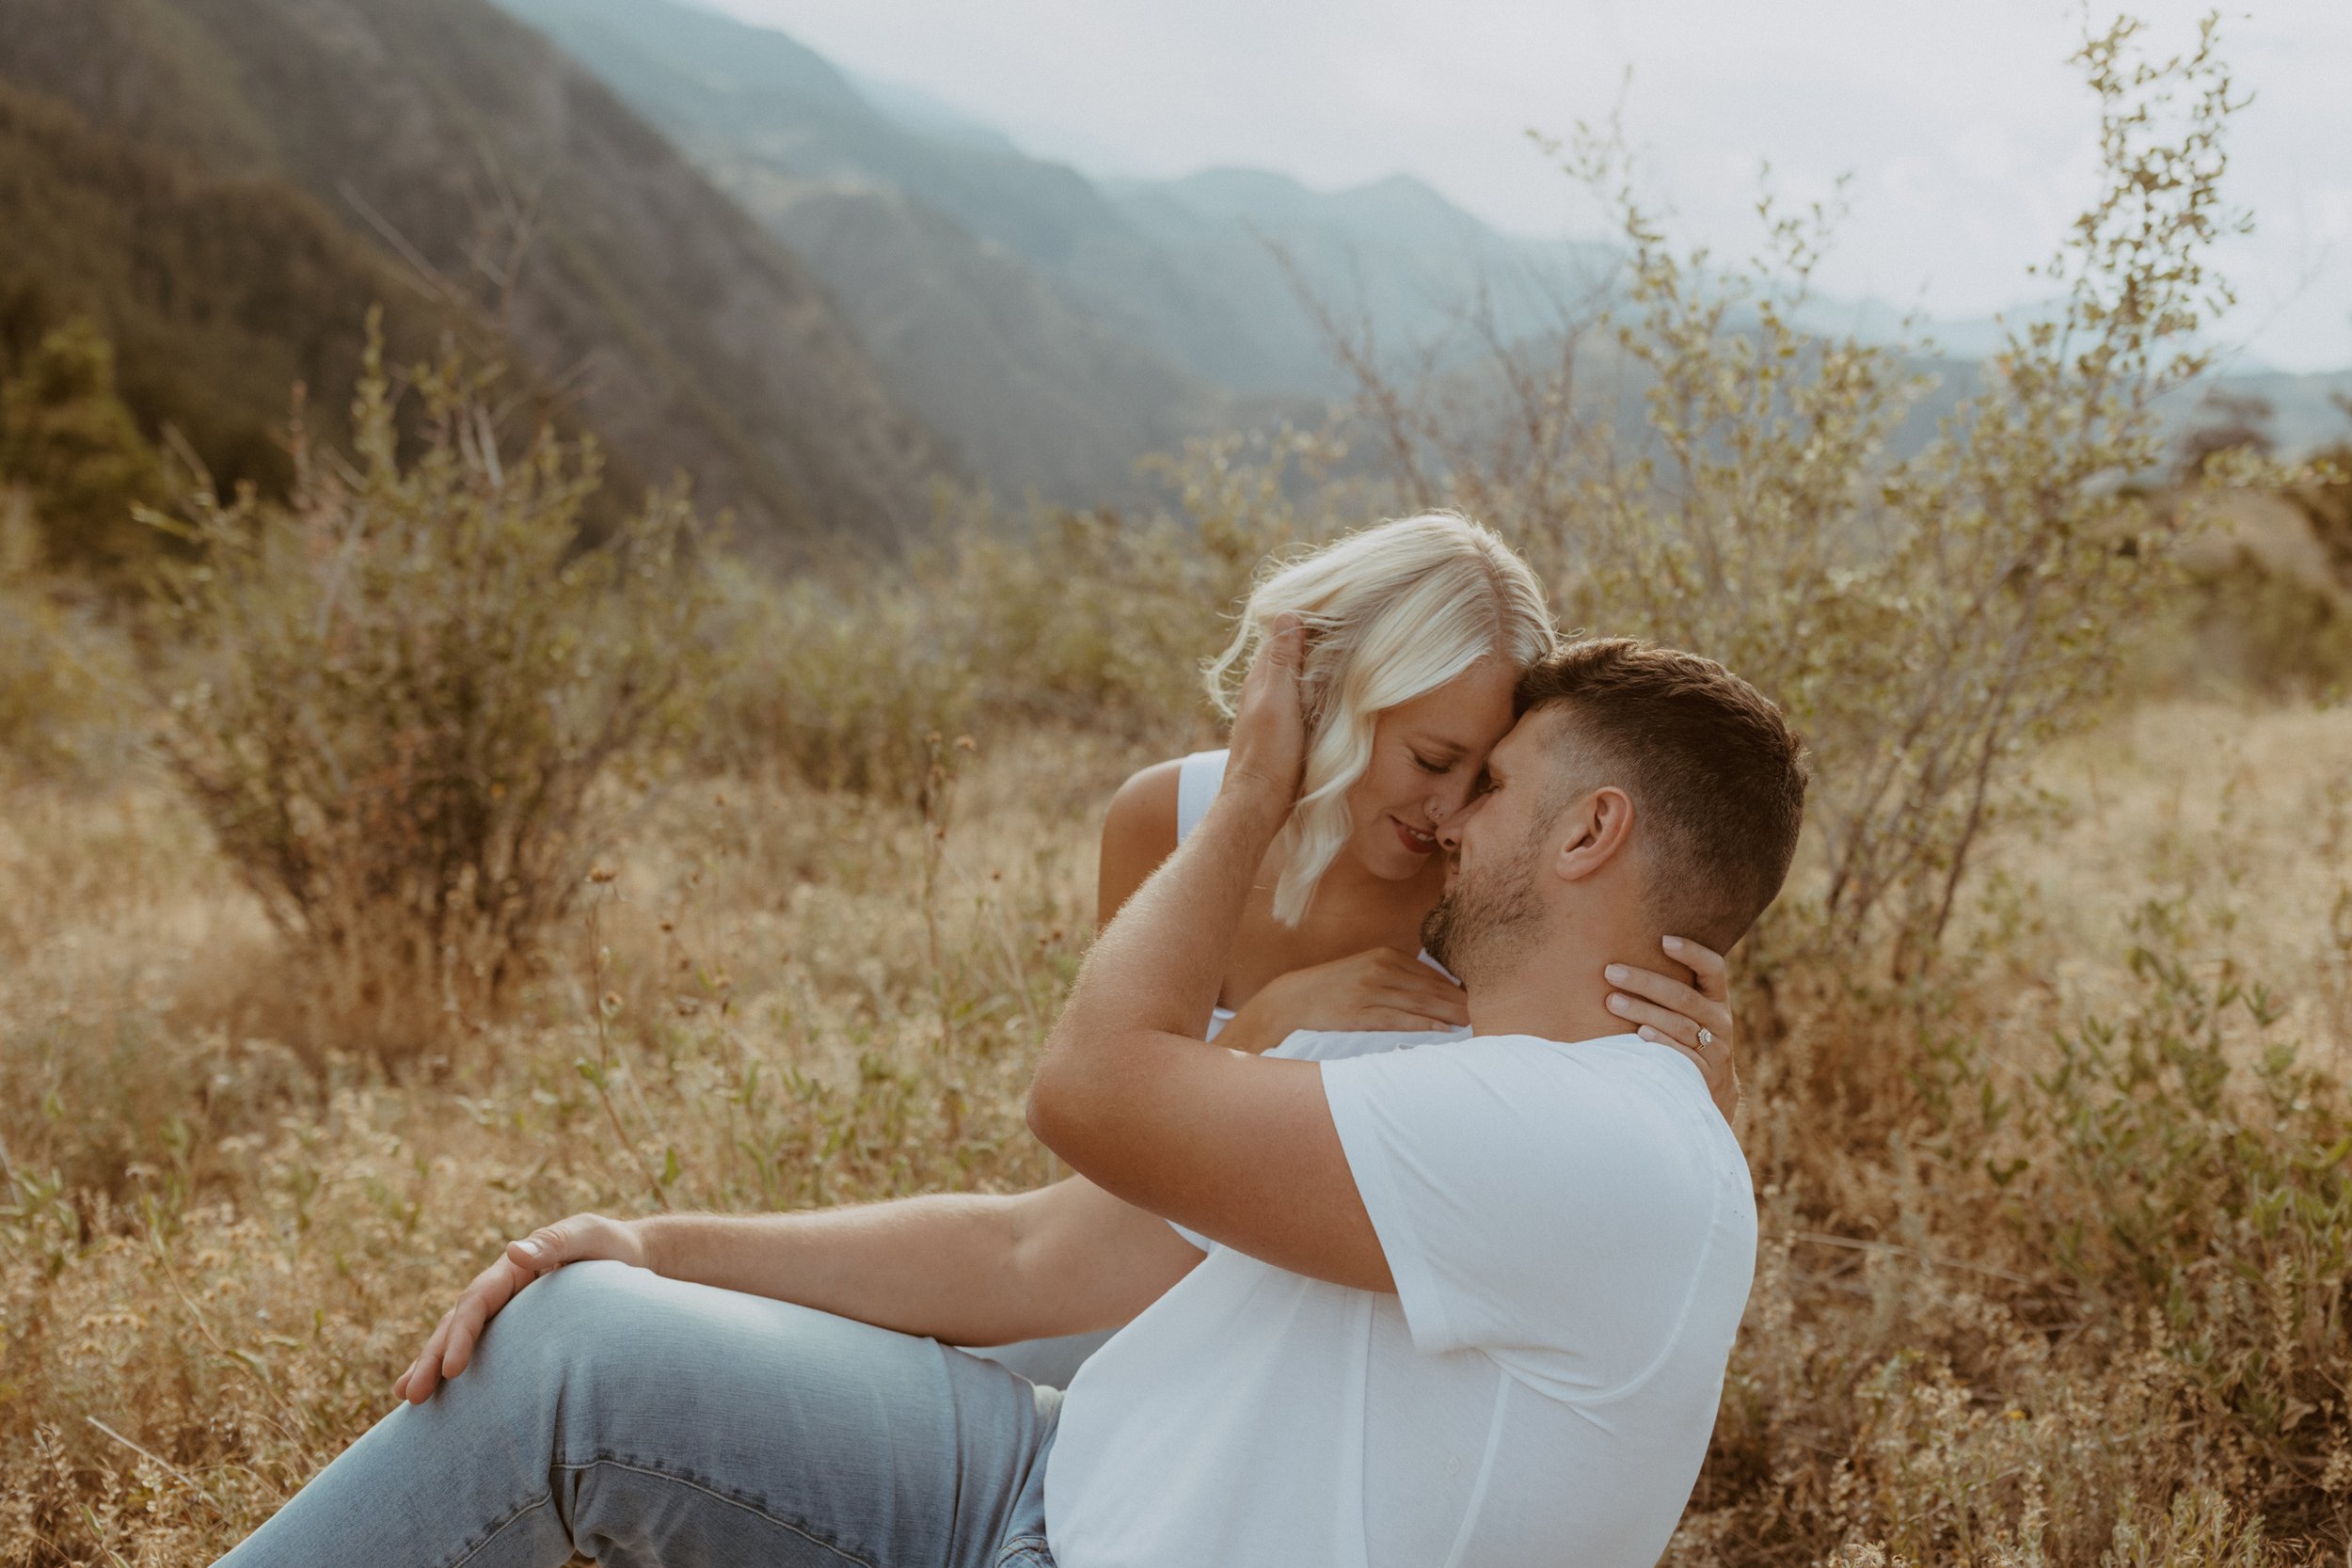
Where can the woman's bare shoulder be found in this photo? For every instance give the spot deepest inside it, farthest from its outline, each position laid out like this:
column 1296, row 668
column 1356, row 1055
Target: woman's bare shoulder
column 1142, row 818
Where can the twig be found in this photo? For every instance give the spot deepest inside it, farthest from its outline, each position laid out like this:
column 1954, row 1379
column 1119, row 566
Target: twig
column 185, row 1478
column 1822, row 1238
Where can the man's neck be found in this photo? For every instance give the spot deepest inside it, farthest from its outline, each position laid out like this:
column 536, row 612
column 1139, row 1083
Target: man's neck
column 1558, row 992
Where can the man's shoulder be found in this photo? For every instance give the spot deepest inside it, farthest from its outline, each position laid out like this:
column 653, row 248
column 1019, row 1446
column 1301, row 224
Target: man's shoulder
column 1333, row 1045
column 1617, row 1102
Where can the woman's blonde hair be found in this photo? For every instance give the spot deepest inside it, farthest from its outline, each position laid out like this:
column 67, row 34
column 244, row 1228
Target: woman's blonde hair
column 1392, row 611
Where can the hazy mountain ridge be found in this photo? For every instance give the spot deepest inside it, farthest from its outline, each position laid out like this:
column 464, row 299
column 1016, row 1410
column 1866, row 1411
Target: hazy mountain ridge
column 1028, row 382
column 441, row 131
column 1098, row 322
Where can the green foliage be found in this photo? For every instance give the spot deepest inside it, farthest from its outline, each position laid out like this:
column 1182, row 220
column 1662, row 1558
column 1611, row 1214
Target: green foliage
column 218, row 294
column 1926, row 621
column 69, row 440
column 421, row 706
column 2199, row 1182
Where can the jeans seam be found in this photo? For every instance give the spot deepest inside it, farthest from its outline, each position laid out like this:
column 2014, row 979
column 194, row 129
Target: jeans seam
column 798, row 1527
column 497, row 1529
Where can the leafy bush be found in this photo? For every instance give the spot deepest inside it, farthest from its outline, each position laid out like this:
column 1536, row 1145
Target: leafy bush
column 1926, row 620
column 421, row 704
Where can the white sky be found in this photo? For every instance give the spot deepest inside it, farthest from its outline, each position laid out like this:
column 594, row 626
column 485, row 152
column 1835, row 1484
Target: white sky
column 1968, row 138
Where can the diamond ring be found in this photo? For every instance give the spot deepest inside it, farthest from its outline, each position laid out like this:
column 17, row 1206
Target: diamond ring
column 1706, row 1037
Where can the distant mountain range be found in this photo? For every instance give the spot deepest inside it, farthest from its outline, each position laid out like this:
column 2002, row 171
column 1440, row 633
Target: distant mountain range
column 1052, row 327
column 705, row 243
column 439, row 154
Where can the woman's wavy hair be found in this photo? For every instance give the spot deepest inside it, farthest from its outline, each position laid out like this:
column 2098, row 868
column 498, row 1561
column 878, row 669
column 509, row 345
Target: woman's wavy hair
column 1392, row 611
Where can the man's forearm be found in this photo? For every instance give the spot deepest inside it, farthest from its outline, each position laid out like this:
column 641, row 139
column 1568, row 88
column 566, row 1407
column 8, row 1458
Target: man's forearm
column 944, row 1266
column 1159, row 966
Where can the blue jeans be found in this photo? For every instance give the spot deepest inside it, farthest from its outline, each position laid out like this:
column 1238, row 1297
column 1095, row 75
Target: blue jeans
column 642, row 1421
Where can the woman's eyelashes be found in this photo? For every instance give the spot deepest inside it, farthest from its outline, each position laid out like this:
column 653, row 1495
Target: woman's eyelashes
column 1427, row 765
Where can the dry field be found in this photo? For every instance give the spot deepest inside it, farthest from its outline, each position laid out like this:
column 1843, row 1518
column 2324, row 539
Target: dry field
column 223, row 1238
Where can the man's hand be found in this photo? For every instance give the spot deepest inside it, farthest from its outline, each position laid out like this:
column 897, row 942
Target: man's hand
column 1268, row 747
column 576, row 1239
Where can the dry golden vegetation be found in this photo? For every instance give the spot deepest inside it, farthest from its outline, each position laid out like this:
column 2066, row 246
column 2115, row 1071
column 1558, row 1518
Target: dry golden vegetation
column 219, row 1249
column 404, row 874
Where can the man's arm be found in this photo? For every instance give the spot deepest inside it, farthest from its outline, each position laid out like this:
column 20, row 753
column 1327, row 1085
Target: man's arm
column 1241, row 1149
column 967, row 1268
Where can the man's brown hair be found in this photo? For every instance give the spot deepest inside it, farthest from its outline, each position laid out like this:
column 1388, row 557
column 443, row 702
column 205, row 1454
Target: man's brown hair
column 1716, row 776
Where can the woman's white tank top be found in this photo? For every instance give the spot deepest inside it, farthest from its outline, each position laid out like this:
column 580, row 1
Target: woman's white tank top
column 1197, row 779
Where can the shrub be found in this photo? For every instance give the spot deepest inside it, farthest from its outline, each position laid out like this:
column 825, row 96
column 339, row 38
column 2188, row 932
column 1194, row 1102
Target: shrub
column 68, row 439
column 421, row 704
column 62, row 668
column 1925, row 620
column 1056, row 616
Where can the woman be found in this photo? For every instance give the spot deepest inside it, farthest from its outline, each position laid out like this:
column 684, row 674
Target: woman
column 1418, row 631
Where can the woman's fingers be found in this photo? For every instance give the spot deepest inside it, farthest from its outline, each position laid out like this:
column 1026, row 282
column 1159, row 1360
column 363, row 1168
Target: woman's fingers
column 1676, row 1027
column 1705, row 964
column 1672, row 996
column 1697, row 1057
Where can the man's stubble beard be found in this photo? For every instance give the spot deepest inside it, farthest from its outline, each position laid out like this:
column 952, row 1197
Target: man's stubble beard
column 1487, row 921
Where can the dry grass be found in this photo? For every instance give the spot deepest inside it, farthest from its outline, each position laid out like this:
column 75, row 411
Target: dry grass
column 217, row 1253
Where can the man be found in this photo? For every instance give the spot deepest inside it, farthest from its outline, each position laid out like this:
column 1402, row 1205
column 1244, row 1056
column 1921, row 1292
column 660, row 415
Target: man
column 1468, row 1303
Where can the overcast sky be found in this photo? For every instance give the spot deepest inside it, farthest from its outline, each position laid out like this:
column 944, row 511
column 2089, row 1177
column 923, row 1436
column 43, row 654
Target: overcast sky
column 1968, row 136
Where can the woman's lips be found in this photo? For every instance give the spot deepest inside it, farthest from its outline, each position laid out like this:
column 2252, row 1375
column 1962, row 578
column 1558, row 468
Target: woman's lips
column 1418, row 842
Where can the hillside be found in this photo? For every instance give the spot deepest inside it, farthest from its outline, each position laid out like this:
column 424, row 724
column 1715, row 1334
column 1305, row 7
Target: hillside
column 931, row 245
column 218, row 294
column 1054, row 327
column 503, row 180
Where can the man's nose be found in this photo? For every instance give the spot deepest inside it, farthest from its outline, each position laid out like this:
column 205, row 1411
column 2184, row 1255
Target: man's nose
column 1450, row 830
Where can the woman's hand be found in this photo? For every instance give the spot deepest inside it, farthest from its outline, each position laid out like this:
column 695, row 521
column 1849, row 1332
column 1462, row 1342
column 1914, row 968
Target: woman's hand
column 1268, row 744
column 1377, row 989
column 1672, row 1013
column 576, row 1239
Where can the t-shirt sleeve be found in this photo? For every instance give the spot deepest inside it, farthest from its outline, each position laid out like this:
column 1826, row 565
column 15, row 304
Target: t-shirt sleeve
column 1532, row 1200
column 1313, row 1045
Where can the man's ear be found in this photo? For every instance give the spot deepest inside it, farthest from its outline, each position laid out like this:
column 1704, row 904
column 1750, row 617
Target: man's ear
column 1592, row 833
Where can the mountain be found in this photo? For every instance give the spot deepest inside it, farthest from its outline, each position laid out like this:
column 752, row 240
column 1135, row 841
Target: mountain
column 1055, row 327
column 477, row 165
column 951, row 253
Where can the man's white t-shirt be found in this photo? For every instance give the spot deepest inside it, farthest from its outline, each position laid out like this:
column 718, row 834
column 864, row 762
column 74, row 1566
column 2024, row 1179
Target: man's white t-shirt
column 1572, row 1233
